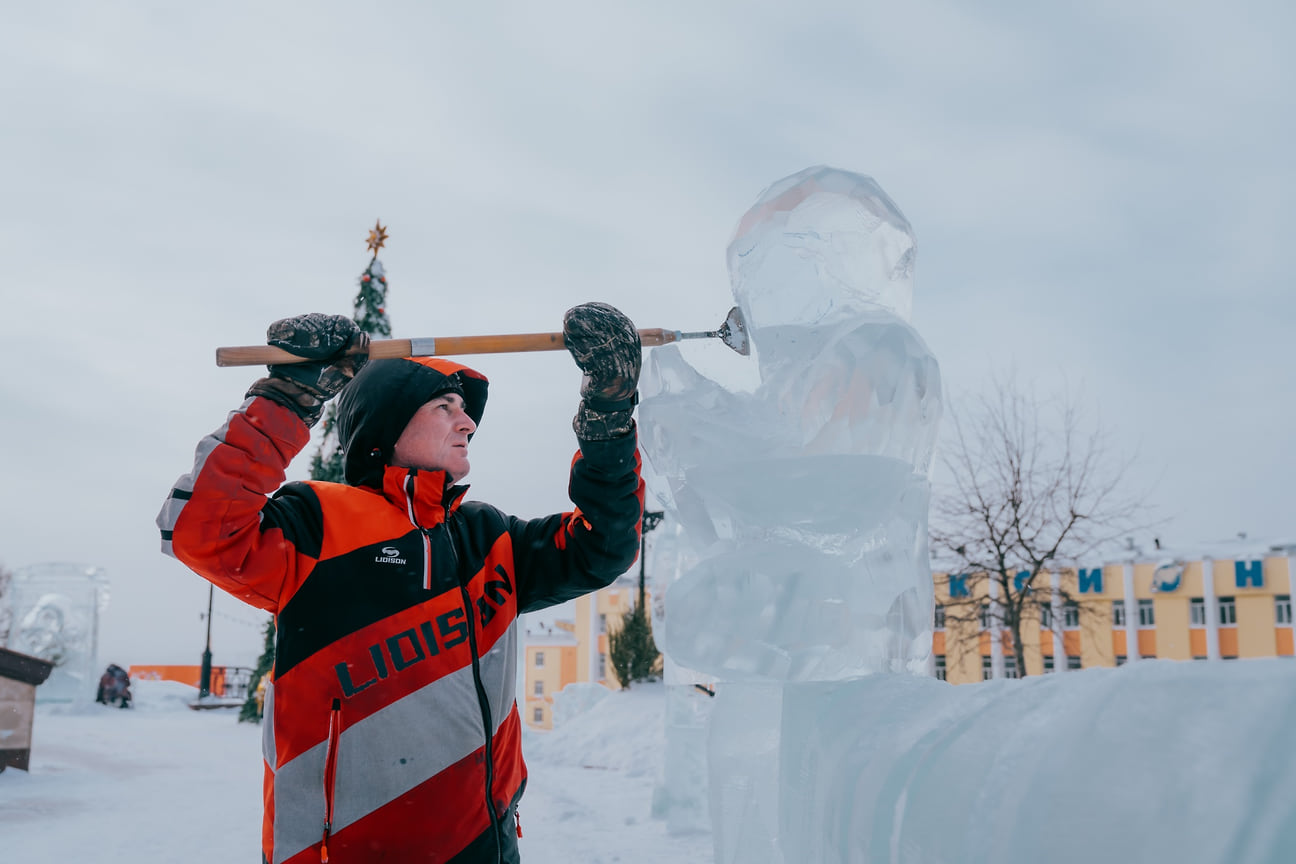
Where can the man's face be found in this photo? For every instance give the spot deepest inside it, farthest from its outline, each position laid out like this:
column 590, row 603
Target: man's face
column 436, row 438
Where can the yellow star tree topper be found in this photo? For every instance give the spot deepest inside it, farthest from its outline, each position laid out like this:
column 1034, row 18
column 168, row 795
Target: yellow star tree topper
column 377, row 237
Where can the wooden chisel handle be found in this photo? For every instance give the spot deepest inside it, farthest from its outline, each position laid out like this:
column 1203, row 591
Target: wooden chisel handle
column 441, row 346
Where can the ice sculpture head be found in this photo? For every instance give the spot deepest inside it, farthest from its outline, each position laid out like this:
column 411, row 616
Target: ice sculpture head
column 822, row 246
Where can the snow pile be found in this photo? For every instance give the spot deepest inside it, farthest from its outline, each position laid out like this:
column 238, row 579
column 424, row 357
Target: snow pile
column 576, row 699
column 622, row 731
column 187, row 785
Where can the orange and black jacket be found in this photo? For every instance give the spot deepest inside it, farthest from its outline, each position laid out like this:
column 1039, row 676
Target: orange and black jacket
column 391, row 729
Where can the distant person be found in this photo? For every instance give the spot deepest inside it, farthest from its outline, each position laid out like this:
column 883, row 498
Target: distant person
column 114, row 687
column 391, row 730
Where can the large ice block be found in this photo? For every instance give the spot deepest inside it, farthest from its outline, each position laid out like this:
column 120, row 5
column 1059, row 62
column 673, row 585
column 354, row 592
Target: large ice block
column 1156, row 761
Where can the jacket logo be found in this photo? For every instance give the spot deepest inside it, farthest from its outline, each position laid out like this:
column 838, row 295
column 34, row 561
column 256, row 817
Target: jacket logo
column 390, row 555
column 398, row 653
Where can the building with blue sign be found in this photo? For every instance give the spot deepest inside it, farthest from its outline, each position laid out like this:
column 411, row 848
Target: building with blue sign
column 1220, row 602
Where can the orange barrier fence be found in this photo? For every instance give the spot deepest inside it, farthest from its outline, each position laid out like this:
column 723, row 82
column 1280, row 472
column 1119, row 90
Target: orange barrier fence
column 230, row 682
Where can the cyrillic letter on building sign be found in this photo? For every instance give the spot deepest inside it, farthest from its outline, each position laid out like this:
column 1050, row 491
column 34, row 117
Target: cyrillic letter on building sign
column 1091, row 580
column 1248, row 571
column 958, row 585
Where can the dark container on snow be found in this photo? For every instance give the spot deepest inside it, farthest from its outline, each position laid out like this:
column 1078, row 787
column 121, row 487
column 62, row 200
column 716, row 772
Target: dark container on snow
column 20, row 674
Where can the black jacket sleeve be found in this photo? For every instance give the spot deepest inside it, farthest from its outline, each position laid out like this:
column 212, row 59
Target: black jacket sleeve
column 566, row 555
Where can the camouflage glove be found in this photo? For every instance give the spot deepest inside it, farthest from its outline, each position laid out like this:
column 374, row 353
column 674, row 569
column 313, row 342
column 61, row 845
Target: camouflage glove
column 335, row 341
column 605, row 345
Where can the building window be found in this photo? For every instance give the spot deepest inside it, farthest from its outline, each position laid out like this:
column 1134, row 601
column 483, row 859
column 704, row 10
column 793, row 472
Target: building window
column 987, row 670
column 539, row 688
column 1071, row 615
column 602, row 665
column 602, row 623
column 1197, row 612
column 539, row 659
column 1048, row 663
column 1120, row 660
column 1010, row 666
column 1046, row 617
column 985, row 616
column 1227, row 612
column 1073, row 662
column 537, row 716
column 940, row 667
column 1147, row 613
column 1118, row 613
column 940, row 617
column 1282, row 609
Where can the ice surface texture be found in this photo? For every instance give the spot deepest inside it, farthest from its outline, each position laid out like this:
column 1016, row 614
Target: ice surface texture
column 1156, row 761
column 805, row 501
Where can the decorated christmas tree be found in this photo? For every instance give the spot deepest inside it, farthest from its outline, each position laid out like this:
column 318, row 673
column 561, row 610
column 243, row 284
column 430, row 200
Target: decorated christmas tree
column 370, row 312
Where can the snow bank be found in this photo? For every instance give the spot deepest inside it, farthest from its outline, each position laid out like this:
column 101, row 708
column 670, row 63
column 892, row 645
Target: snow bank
column 620, row 732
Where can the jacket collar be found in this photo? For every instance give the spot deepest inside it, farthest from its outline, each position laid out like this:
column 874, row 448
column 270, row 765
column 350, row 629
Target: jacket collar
column 427, row 497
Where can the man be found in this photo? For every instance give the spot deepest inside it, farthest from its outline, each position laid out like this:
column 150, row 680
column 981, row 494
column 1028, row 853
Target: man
column 391, row 731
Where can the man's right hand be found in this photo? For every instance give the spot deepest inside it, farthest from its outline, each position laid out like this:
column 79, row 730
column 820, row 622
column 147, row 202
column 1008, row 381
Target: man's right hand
column 338, row 349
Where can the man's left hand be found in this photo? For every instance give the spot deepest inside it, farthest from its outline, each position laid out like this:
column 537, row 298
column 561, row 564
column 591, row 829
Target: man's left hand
column 605, row 345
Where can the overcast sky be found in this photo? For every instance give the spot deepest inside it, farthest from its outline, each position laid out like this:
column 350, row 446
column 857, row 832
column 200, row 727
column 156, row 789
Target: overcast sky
column 1102, row 194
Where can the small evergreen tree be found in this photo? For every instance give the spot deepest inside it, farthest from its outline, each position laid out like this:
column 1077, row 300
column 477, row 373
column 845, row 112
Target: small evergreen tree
column 252, row 709
column 370, row 312
column 6, row 616
column 631, row 650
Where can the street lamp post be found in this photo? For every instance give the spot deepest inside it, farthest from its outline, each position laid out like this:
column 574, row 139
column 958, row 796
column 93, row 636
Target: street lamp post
column 204, row 680
column 651, row 519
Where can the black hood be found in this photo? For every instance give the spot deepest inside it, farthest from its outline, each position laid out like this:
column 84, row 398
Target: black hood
column 376, row 405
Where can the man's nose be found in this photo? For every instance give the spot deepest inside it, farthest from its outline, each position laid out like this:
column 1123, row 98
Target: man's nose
column 466, row 423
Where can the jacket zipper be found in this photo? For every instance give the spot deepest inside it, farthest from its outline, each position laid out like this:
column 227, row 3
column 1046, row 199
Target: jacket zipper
column 427, row 541
column 482, row 701
column 330, row 774
column 484, row 704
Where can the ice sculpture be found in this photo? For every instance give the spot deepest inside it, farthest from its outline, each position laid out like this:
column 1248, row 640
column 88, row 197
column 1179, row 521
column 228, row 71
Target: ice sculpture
column 804, row 501
column 54, row 612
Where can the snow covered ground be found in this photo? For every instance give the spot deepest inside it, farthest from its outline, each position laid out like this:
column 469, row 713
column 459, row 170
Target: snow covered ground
column 165, row 783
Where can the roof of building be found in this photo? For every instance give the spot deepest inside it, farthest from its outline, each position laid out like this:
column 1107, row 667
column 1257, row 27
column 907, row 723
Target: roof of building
column 550, row 632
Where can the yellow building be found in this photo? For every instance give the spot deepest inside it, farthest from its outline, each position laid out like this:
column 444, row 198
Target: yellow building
column 550, row 662
column 561, row 652
column 1234, row 604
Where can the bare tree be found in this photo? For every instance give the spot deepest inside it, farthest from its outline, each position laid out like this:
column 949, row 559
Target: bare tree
column 6, row 579
column 1028, row 492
